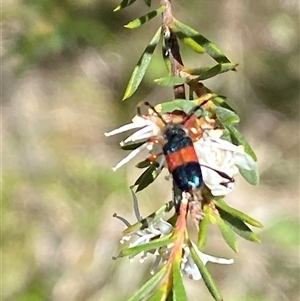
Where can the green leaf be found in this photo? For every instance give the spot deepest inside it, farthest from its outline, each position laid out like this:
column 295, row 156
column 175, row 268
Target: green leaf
column 179, row 293
column 209, row 282
column 159, row 295
column 171, row 80
column 208, row 73
column 148, row 176
column 184, row 31
column 193, row 44
column 204, row 72
column 237, row 214
column 237, row 139
column 149, row 285
column 152, row 245
column 152, row 218
column 211, row 71
column 144, row 164
column 220, row 101
column 148, row 2
column 131, row 145
column 203, row 229
column 176, row 105
column 227, row 117
column 143, row 19
column 238, row 226
column 251, row 176
column 142, row 65
column 124, row 4
column 227, row 233
column 226, row 135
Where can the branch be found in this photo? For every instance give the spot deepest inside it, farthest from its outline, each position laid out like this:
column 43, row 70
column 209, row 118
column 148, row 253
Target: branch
column 172, row 48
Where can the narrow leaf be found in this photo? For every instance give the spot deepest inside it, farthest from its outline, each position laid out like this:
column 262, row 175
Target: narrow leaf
column 220, row 101
column 159, row 295
column 131, row 145
column 124, row 4
column 227, row 233
column 251, row 176
column 203, row 229
column 211, row 72
column 144, row 164
column 209, row 282
column 238, row 214
column 227, row 117
column 183, row 31
column 152, row 218
column 176, row 105
column 226, row 135
column 148, row 2
column 179, row 293
column 143, row 19
column 142, row 65
column 171, row 80
column 148, row 286
column 152, row 245
column 238, row 226
column 193, row 45
column 237, row 138
column 148, row 176
column 214, row 70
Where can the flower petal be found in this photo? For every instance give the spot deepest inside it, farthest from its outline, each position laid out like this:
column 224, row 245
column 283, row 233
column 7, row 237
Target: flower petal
column 245, row 161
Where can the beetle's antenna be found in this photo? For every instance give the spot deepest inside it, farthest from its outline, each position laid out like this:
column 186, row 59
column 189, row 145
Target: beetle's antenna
column 193, row 111
column 138, row 108
column 146, row 103
column 220, row 173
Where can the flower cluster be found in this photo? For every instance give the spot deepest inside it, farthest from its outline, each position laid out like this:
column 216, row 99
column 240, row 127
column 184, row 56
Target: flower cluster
column 155, row 230
column 218, row 158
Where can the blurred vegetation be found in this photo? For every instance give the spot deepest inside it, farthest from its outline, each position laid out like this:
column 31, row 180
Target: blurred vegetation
column 65, row 67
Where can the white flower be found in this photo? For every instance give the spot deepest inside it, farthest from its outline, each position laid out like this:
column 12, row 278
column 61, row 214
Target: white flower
column 158, row 229
column 189, row 267
column 219, row 159
column 155, row 230
column 137, row 122
column 223, row 156
column 149, row 129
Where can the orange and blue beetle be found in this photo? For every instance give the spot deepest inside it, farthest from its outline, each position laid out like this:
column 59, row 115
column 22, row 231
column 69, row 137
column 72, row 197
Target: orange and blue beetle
column 180, row 154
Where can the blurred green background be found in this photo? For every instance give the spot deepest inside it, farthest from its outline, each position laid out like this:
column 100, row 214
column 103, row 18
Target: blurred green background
column 65, row 66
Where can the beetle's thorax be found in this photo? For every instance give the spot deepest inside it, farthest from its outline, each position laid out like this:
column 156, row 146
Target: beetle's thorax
column 174, row 130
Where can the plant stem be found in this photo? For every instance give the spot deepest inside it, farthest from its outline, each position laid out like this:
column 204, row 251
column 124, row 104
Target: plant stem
column 172, row 48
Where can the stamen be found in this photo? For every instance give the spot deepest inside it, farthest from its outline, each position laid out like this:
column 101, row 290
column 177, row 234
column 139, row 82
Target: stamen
column 130, row 156
column 139, row 135
column 136, row 206
column 126, row 127
column 122, row 219
column 145, row 238
column 155, row 264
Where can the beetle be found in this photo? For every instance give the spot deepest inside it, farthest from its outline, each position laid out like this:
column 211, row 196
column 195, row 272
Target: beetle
column 180, row 154
column 181, row 158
